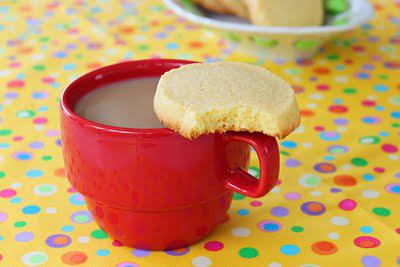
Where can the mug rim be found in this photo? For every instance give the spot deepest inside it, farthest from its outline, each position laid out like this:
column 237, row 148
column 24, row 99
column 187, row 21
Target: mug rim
column 68, row 110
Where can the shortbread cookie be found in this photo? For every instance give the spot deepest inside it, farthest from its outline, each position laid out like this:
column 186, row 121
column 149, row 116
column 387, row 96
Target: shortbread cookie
column 206, row 98
column 291, row 13
column 213, row 5
column 236, row 7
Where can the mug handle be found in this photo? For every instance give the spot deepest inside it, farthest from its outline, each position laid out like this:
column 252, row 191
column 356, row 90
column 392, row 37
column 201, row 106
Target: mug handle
column 267, row 151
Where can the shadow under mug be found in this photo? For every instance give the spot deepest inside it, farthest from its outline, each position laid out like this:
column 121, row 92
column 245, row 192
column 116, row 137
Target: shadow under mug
column 151, row 188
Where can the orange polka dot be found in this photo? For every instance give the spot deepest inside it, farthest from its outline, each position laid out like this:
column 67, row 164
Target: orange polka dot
column 93, row 65
column 59, row 172
column 344, row 180
column 306, row 113
column 126, row 29
column 60, row 240
column 321, row 70
column 74, row 257
column 315, row 207
column 196, row 44
column 324, row 248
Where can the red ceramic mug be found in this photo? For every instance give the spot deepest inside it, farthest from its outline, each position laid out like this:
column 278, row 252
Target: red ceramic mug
column 151, row 188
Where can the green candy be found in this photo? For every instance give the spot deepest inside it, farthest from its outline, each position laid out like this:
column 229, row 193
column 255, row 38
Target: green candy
column 334, row 7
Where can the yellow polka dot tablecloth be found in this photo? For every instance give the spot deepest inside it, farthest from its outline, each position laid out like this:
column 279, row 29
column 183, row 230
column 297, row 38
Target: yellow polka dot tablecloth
column 337, row 200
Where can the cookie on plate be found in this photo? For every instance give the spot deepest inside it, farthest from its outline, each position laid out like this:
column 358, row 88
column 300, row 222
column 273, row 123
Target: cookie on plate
column 204, row 98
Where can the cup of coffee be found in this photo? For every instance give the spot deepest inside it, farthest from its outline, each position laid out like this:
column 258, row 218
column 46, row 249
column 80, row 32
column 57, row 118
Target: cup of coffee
column 145, row 185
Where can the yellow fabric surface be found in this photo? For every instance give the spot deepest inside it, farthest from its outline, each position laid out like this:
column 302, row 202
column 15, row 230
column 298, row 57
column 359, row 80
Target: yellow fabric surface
column 340, row 177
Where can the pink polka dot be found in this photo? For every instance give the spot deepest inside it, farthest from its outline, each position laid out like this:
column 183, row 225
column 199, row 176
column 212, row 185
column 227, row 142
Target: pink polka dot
column 52, row 133
column 389, row 148
column 347, row 204
column 16, row 84
column 366, row 242
column 379, row 169
column 214, row 246
column 40, row 120
column 3, row 216
column 256, row 203
column 18, row 138
column 71, row 190
column 368, row 103
column 7, row 193
column 47, row 79
column 319, row 128
column 323, row 87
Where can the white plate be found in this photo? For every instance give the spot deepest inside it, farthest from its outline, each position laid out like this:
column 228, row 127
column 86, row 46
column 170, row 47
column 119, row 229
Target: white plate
column 277, row 42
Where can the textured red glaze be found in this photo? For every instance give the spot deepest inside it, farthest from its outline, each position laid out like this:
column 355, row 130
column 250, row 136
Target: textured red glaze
column 152, row 188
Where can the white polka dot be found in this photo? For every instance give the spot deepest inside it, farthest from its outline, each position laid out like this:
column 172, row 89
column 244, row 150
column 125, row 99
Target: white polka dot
column 341, row 79
column 37, row 57
column 297, row 79
column 307, row 145
column 111, row 51
column 346, row 167
column 341, row 129
column 393, row 157
column 240, row 232
column 370, row 194
column 312, row 105
column 340, row 221
column 275, row 264
column 44, row 190
column 371, row 97
column 309, row 180
column 83, row 239
column 201, row 261
column 316, row 193
column 4, row 73
column 138, row 37
column 39, row 127
column 7, row 102
column 34, row 258
column 1, row 158
column 16, row 185
column 315, row 96
column 276, row 189
column 299, row 129
column 334, row 236
column 51, row 210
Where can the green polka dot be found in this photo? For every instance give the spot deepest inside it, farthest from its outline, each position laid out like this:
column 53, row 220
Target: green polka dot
column 19, row 224
column 233, row 37
column 266, row 43
column 359, row 162
column 294, row 71
column 39, row 67
column 44, row 39
column 254, row 171
column 38, row 258
column 297, row 229
column 350, row 91
column 306, row 44
column 81, row 218
column 99, row 234
column 5, row 132
column 46, row 158
column 332, row 57
column 143, row 47
column 384, row 212
column 2, row 174
column 79, row 56
column 237, row 196
column 248, row 253
column 383, row 76
column 396, row 125
column 25, row 114
column 284, row 153
column 368, row 140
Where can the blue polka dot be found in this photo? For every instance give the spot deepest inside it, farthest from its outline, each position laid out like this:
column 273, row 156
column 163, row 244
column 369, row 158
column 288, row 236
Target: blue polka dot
column 172, row 46
column 1, row 238
column 77, row 199
column 381, row 88
column 363, row 75
column 58, row 142
column 29, row 210
column 4, row 145
column 15, row 200
column 34, row 173
column 161, row 35
column 69, row 66
column 24, row 156
column 39, row 95
column 243, row 212
column 21, row 76
column 384, row 134
column 60, row 54
column 1, row 27
column 340, row 67
column 290, row 250
column 368, row 177
column 103, row 252
column 369, row 120
column 36, row 145
column 338, row 101
column 271, row 227
column 55, row 84
column 67, row 228
column 395, row 114
column 128, row 54
column 95, row 9
column 366, row 229
column 43, row 108
column 288, row 144
column 329, row 158
column 379, row 108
